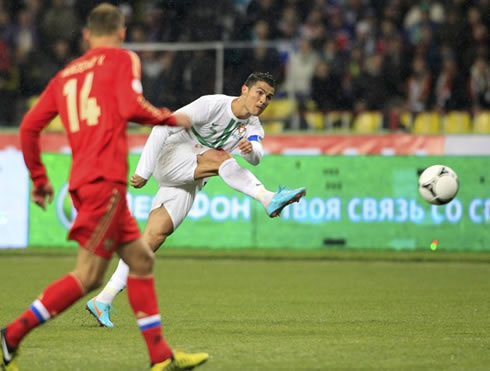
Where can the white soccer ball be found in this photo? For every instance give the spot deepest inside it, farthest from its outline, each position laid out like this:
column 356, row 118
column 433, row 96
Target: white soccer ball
column 438, row 184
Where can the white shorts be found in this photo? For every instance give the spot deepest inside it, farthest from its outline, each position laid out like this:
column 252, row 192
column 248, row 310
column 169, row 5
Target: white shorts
column 177, row 161
column 174, row 172
column 177, row 201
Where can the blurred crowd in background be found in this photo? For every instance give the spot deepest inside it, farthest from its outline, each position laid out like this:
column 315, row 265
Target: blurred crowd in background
column 334, row 55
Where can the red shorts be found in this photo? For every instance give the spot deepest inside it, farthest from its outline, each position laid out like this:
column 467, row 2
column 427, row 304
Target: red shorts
column 103, row 220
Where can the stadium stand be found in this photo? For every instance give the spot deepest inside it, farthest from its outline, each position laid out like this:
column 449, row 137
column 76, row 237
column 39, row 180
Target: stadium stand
column 427, row 123
column 457, row 122
column 481, row 123
column 368, row 122
column 364, row 53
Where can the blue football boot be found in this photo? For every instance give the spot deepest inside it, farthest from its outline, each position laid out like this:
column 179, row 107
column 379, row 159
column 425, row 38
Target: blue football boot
column 100, row 311
column 282, row 198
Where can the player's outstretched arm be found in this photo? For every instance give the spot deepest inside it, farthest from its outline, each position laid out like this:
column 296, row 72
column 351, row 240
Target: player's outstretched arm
column 151, row 150
column 183, row 120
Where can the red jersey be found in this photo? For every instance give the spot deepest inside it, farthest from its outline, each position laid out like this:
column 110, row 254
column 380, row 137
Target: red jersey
column 95, row 96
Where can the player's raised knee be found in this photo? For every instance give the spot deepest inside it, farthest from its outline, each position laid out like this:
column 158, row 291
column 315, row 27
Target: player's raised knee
column 215, row 157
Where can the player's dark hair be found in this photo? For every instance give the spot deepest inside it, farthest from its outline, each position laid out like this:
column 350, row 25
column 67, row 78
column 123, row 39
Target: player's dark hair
column 255, row 77
column 105, row 19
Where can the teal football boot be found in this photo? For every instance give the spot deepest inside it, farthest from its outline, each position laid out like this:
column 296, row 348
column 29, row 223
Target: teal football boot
column 100, row 311
column 282, row 198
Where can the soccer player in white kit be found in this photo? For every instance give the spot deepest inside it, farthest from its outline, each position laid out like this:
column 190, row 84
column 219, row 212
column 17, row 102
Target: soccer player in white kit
column 181, row 161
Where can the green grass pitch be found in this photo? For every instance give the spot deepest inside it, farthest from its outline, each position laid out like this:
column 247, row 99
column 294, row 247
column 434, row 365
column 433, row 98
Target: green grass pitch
column 296, row 311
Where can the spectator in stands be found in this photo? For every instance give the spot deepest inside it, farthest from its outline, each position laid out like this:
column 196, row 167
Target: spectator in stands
column 336, row 59
column 450, row 89
column 314, row 28
column 395, row 67
column 198, row 76
column 25, row 35
column 137, row 33
column 479, row 41
column 429, row 48
column 288, row 25
column 264, row 59
column 426, row 12
column 370, row 90
column 57, row 58
column 151, row 68
column 353, row 11
column 9, row 85
column 261, row 58
column 452, row 31
column 365, row 34
column 41, row 65
column 37, row 8
column 157, row 28
column 267, row 10
column 393, row 10
column 387, row 31
column 326, row 88
column 300, row 69
column 167, row 82
column 60, row 20
column 338, row 30
column 7, row 29
column 480, row 84
column 216, row 15
column 353, row 70
column 419, row 86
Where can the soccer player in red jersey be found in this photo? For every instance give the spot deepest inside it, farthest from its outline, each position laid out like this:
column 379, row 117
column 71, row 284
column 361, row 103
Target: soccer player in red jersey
column 95, row 96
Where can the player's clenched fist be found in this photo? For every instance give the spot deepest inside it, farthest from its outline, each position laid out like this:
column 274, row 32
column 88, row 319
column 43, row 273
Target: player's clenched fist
column 137, row 181
column 39, row 194
column 245, row 146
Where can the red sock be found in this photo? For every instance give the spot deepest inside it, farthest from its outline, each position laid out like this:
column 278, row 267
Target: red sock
column 143, row 300
column 55, row 299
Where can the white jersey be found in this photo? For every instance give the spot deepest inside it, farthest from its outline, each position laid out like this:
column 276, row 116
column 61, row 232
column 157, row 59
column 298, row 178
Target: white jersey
column 213, row 126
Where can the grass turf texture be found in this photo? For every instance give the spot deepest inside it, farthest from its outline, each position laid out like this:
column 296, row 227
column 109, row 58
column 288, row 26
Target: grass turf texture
column 271, row 311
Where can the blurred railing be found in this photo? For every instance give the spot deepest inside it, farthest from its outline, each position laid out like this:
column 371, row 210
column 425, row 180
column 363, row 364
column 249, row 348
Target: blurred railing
column 218, row 46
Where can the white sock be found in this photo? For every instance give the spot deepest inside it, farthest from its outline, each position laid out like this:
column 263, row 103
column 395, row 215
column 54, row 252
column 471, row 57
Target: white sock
column 244, row 181
column 115, row 285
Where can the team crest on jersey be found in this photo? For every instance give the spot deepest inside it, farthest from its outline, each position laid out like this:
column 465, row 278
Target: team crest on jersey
column 241, row 130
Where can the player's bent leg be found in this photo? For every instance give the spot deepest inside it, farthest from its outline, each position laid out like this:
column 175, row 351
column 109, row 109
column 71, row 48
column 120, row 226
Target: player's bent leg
column 221, row 163
column 209, row 162
column 158, row 227
column 244, row 181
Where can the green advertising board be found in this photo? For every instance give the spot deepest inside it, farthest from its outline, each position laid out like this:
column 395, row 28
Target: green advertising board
column 351, row 202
